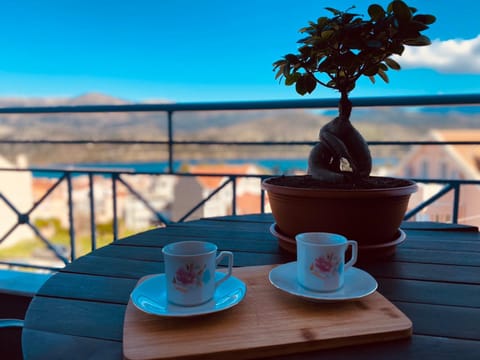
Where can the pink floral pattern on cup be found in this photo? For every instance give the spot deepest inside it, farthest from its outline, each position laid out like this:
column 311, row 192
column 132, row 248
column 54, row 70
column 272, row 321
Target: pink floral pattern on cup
column 189, row 276
column 326, row 266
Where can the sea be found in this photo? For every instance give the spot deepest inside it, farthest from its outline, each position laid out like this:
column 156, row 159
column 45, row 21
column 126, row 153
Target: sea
column 274, row 166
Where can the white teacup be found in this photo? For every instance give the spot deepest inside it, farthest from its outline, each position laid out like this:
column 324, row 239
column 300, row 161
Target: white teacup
column 190, row 271
column 321, row 260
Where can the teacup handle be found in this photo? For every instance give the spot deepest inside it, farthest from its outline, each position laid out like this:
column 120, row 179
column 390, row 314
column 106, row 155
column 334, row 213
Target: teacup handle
column 219, row 258
column 353, row 259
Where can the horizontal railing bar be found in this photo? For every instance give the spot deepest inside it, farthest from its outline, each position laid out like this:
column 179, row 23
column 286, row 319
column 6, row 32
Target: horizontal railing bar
column 423, row 142
column 262, row 176
column 425, row 100
column 33, row 266
column 79, row 170
column 223, row 143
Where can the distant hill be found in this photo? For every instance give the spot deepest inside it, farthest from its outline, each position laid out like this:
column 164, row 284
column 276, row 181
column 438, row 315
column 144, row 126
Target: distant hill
column 272, row 125
column 84, row 99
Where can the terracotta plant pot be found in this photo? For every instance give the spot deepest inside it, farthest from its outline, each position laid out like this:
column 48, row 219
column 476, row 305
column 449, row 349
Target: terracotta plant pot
column 371, row 216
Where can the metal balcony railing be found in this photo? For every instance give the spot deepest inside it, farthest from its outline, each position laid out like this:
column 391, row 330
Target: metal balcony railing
column 65, row 175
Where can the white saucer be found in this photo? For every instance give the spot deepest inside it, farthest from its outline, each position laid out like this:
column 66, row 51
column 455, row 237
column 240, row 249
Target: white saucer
column 358, row 284
column 150, row 296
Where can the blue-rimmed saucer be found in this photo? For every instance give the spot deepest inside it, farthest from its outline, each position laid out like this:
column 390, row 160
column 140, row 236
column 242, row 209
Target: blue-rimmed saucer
column 150, row 296
column 357, row 284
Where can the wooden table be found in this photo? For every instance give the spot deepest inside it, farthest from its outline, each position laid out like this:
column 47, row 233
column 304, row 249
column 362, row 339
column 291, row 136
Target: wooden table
column 434, row 278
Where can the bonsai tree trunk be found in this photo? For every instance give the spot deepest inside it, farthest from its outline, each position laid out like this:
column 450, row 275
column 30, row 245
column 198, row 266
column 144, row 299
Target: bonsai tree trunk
column 342, row 154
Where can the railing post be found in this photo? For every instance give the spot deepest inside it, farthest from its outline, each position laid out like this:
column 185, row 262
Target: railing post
column 456, row 201
column 70, row 216
column 114, row 202
column 233, row 179
column 170, row 141
column 91, row 197
column 262, row 198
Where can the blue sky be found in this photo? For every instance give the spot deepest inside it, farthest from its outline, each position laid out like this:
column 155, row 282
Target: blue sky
column 215, row 50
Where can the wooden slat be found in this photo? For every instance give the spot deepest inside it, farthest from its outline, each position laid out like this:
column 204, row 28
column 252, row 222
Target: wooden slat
column 430, row 292
column 132, row 252
column 87, row 287
column 235, row 229
column 53, row 346
column 418, row 347
column 243, row 257
column 236, row 226
column 442, row 238
column 261, row 243
column 266, row 218
column 443, row 321
column 442, row 245
column 463, row 258
column 75, row 317
column 115, row 267
column 435, row 226
column 429, row 272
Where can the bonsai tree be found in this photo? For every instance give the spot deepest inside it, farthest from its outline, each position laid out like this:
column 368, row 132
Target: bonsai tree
column 336, row 52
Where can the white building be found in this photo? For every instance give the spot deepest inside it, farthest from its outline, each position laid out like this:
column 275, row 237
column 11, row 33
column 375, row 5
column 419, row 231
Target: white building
column 446, row 162
column 16, row 187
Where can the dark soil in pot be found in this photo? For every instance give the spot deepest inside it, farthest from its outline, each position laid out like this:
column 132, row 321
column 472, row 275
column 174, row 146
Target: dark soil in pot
column 307, row 182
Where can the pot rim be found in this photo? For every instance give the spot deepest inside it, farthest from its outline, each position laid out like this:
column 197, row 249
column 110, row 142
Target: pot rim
column 409, row 189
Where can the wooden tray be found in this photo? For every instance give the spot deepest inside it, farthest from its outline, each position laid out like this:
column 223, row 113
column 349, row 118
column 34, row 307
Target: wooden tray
column 267, row 322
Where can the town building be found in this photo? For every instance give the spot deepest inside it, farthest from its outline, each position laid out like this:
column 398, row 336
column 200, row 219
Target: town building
column 455, row 162
column 189, row 191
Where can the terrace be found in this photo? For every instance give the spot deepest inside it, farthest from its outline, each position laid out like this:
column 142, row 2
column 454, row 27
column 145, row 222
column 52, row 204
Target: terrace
column 450, row 187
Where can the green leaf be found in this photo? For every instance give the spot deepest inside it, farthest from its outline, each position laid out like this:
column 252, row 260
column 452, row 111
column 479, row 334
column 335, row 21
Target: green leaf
column 422, row 40
column 347, row 17
column 417, row 25
column 279, row 72
column 376, row 12
column 327, row 65
column 291, row 58
column 327, row 34
column 280, row 64
column 305, row 84
column 334, row 11
column 392, row 64
column 398, row 50
column 401, row 11
column 310, row 83
column 383, row 75
column 425, row 19
column 321, row 22
column 371, row 70
column 291, row 79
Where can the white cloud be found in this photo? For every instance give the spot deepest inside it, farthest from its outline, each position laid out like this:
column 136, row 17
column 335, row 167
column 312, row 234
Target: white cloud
column 457, row 56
